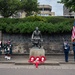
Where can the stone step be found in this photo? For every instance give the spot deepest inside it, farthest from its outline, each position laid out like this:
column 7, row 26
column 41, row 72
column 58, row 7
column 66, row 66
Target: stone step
column 51, row 63
column 27, row 63
column 46, row 63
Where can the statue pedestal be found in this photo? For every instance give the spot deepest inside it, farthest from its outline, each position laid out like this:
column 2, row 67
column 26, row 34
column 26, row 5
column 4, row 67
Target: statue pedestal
column 37, row 52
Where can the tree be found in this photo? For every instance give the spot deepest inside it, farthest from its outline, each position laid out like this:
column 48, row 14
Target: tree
column 9, row 7
column 69, row 4
column 29, row 6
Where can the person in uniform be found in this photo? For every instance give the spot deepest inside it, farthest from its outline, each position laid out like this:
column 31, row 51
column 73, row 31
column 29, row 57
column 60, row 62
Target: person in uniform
column 73, row 44
column 66, row 48
column 8, row 53
column 10, row 46
column 5, row 49
column 9, row 49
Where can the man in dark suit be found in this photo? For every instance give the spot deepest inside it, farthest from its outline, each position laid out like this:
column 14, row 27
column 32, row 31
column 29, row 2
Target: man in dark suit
column 66, row 48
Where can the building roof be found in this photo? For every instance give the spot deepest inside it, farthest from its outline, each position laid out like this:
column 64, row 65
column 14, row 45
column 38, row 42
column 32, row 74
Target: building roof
column 45, row 6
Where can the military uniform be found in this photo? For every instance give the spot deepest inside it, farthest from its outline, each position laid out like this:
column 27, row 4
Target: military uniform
column 7, row 51
column 10, row 48
column 66, row 48
column 74, row 49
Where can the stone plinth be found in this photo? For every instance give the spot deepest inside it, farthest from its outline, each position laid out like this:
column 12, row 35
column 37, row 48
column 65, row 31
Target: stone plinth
column 37, row 52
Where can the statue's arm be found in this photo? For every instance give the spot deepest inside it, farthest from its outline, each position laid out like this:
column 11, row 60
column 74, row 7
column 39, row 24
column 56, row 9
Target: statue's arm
column 32, row 36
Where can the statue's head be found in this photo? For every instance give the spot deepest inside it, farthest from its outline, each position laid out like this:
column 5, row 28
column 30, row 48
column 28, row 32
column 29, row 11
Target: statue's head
column 37, row 28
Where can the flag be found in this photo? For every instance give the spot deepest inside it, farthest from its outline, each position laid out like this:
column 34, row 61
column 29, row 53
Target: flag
column 73, row 32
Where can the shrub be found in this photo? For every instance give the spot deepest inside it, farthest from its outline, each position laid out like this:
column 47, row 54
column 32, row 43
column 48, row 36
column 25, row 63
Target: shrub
column 35, row 18
column 27, row 25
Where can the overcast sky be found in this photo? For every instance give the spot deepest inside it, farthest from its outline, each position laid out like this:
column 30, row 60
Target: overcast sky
column 56, row 7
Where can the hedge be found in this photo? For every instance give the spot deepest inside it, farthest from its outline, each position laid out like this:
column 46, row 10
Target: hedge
column 29, row 27
column 52, row 20
column 22, row 20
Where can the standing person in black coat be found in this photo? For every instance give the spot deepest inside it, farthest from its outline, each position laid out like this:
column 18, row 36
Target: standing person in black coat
column 74, row 48
column 66, row 48
column 10, row 46
column 5, row 49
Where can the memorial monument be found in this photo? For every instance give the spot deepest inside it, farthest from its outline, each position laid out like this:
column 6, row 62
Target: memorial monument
column 36, row 39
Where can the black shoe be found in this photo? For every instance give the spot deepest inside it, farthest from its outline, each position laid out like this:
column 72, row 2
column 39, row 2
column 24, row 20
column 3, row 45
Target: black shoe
column 66, row 61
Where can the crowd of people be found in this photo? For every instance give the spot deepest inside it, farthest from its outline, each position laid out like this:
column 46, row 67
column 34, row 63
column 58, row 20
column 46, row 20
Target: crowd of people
column 6, row 47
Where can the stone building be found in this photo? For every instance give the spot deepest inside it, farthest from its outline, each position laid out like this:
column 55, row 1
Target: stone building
column 20, row 14
column 45, row 10
column 66, row 12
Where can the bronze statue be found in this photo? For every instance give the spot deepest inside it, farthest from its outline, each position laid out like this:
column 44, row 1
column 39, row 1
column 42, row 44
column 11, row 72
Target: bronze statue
column 36, row 38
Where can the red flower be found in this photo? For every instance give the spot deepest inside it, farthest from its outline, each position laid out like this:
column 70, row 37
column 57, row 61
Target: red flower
column 32, row 59
column 43, row 58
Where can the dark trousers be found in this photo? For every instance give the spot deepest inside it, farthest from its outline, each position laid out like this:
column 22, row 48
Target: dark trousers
column 10, row 51
column 66, row 56
column 0, row 51
column 74, row 55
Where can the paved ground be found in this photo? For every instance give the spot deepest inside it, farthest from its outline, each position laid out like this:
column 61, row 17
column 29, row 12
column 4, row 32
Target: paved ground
column 51, row 58
column 62, row 66
column 62, row 69
column 11, row 69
